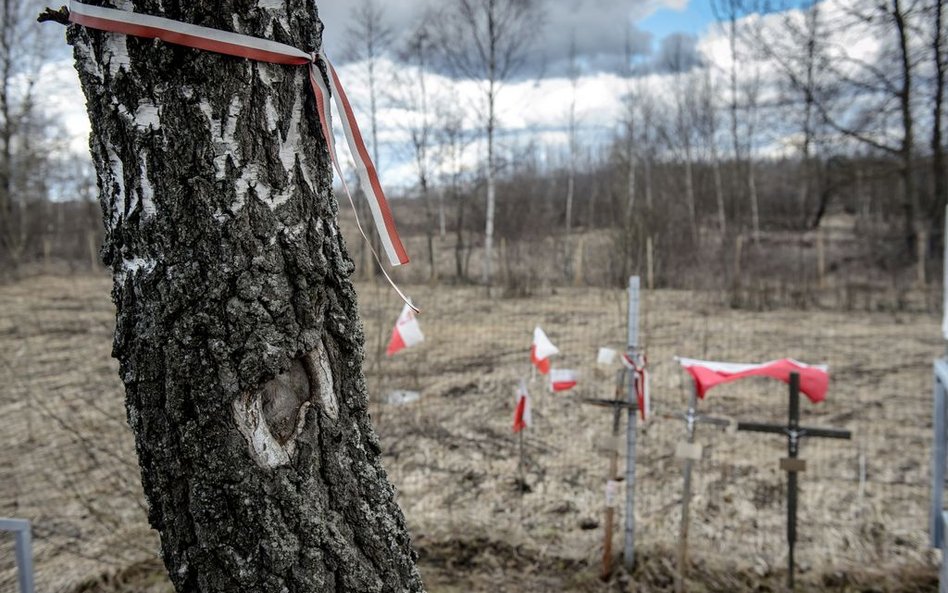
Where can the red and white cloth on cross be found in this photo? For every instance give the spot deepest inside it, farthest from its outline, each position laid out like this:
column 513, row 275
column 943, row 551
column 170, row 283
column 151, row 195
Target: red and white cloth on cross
column 263, row 50
column 814, row 379
column 523, row 415
column 407, row 332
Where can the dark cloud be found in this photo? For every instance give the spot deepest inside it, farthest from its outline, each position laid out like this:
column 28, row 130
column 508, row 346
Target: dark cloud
column 677, row 52
column 601, row 29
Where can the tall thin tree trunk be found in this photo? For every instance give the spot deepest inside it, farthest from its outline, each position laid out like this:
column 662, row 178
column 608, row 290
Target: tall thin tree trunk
column 909, row 205
column 630, row 172
column 237, row 330
column 690, row 194
column 939, row 181
column 754, row 200
column 719, row 192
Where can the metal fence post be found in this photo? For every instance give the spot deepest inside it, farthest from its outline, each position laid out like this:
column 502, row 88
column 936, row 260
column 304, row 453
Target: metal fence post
column 939, row 441
column 24, row 551
column 943, row 571
column 628, row 556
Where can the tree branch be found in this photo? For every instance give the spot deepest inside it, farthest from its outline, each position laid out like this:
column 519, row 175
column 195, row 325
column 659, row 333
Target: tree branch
column 60, row 16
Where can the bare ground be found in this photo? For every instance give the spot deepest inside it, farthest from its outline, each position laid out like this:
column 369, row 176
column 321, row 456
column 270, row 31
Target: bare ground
column 67, row 461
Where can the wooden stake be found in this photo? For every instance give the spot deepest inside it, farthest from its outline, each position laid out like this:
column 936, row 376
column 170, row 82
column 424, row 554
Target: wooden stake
column 618, row 405
column 522, row 485
column 689, row 453
column 738, row 253
column 921, row 253
column 820, row 259
column 93, row 252
column 650, row 262
column 578, row 261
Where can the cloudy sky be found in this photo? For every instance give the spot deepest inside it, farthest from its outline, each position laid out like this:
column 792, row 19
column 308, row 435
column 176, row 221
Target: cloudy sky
column 599, row 28
column 534, row 108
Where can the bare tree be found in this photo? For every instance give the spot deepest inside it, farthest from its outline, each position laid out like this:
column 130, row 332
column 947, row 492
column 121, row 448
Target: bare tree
column 708, row 125
column 939, row 66
column 573, row 74
column 414, row 94
column 799, row 50
column 23, row 148
column 751, row 89
column 678, row 63
column 878, row 90
column 451, row 143
column 487, row 41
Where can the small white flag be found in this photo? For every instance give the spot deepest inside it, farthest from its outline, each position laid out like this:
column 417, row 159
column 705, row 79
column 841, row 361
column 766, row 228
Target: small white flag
column 606, row 356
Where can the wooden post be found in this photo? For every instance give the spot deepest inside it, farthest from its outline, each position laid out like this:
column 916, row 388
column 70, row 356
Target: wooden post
column 820, row 259
column 689, row 452
column 504, row 268
column 738, row 256
column 612, row 478
column 93, row 251
column 650, row 262
column 522, row 486
column 578, row 260
column 921, row 255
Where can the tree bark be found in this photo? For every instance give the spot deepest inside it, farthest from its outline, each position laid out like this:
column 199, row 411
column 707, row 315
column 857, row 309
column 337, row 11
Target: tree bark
column 237, row 330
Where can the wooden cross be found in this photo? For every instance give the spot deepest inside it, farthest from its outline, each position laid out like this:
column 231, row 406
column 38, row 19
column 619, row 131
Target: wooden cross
column 618, row 405
column 689, row 452
column 792, row 464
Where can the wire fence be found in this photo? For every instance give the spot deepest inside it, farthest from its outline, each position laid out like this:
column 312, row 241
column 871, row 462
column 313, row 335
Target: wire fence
column 454, row 457
column 444, row 412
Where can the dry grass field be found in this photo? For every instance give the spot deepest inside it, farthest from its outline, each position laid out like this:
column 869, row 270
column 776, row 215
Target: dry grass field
column 67, row 460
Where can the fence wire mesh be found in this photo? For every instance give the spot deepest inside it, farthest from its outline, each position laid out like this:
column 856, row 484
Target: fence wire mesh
column 68, row 462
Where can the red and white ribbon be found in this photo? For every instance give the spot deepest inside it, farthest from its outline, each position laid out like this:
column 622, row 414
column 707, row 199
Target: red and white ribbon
column 263, row 50
column 640, row 374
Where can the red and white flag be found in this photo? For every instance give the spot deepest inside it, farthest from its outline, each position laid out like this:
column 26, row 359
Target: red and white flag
column 407, row 332
column 541, row 351
column 814, row 379
column 523, row 417
column 639, row 370
column 562, row 379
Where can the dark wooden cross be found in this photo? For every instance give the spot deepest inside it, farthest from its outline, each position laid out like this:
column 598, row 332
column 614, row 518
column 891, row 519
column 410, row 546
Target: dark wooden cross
column 792, row 464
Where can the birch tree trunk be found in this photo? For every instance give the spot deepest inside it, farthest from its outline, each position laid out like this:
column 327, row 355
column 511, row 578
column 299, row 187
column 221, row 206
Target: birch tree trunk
column 237, row 330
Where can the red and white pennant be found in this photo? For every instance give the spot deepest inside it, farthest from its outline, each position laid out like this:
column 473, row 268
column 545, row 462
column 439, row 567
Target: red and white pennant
column 263, row 50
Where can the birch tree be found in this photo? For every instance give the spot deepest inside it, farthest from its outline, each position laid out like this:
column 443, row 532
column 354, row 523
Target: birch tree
column 237, row 330
column 24, row 152
column 487, row 41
